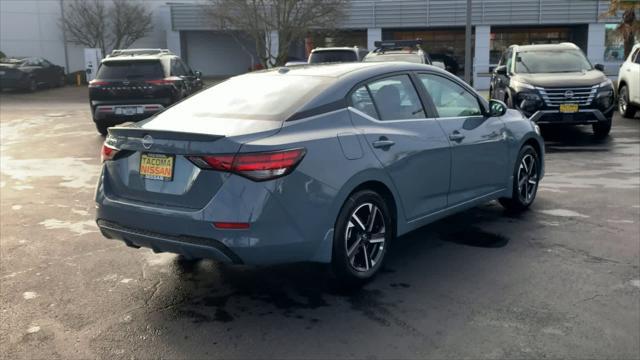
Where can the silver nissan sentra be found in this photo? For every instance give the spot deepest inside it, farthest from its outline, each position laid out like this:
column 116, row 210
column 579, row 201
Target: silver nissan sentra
column 325, row 163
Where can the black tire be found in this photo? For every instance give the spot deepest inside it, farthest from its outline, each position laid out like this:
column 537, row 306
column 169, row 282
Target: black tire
column 601, row 129
column 62, row 81
column 522, row 198
column 102, row 129
column 625, row 108
column 357, row 255
column 32, row 85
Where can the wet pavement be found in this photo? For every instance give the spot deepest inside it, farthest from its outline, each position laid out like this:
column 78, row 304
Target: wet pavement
column 561, row 280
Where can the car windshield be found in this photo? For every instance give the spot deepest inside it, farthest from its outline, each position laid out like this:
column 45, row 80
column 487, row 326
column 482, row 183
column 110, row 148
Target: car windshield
column 551, row 61
column 131, row 70
column 408, row 57
column 262, row 96
column 328, row 56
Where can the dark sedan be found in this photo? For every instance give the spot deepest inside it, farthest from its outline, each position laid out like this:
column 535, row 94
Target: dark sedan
column 30, row 73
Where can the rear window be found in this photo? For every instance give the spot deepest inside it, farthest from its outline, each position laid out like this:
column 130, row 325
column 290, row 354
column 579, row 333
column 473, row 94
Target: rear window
column 330, row 56
column 131, row 70
column 265, row 96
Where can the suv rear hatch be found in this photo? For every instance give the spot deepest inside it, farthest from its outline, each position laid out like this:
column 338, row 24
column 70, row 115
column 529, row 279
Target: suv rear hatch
column 129, row 81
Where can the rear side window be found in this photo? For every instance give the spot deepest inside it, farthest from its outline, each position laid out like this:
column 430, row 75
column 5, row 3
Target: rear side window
column 333, row 56
column 396, row 98
column 361, row 100
column 637, row 56
column 450, row 99
column 131, row 70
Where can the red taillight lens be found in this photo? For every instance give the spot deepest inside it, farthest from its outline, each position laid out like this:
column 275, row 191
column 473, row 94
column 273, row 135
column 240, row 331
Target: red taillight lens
column 98, row 83
column 231, row 225
column 108, row 152
column 160, row 82
column 255, row 166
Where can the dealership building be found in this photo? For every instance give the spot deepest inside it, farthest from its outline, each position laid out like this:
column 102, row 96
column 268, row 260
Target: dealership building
column 187, row 29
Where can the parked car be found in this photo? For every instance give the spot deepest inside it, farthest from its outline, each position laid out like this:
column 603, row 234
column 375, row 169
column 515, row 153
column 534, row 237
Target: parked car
column 629, row 84
column 555, row 84
column 317, row 163
column 132, row 85
column 399, row 50
column 336, row 55
column 30, row 73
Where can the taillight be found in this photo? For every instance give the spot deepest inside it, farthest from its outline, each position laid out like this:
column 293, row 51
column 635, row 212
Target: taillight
column 255, row 166
column 98, row 83
column 108, row 152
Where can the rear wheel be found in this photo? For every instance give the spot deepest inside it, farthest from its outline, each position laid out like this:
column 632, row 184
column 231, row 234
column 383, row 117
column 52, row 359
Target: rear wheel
column 601, row 129
column 526, row 176
column 625, row 108
column 62, row 81
column 362, row 234
column 102, row 129
column 32, row 85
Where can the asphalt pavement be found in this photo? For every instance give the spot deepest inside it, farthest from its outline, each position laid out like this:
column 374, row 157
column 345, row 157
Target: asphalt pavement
column 559, row 281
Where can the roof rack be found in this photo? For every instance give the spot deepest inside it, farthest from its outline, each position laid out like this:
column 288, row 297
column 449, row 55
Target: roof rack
column 382, row 46
column 132, row 52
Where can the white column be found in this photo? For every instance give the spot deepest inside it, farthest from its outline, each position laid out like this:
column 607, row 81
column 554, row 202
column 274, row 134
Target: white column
column 172, row 37
column 373, row 34
column 273, row 38
column 595, row 43
column 481, row 58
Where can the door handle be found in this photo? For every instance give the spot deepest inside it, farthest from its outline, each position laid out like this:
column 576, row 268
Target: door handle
column 383, row 142
column 456, row 136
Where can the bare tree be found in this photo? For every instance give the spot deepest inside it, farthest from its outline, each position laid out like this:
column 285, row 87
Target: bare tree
column 292, row 19
column 114, row 24
column 629, row 27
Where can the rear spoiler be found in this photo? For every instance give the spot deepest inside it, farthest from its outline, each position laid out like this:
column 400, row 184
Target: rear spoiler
column 137, row 132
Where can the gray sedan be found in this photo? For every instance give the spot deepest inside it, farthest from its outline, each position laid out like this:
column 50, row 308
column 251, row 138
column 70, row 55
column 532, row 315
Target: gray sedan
column 326, row 163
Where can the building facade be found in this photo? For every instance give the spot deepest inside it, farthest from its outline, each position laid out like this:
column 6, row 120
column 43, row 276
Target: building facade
column 186, row 28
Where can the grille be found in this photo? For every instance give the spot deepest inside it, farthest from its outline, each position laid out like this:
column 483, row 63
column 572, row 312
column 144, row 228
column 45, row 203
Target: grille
column 571, row 95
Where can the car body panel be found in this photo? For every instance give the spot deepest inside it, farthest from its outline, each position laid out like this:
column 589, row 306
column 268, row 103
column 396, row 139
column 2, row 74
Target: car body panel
column 629, row 75
column 292, row 218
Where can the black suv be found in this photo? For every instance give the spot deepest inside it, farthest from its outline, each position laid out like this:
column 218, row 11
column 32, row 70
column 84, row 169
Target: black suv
column 134, row 84
column 555, row 84
column 398, row 50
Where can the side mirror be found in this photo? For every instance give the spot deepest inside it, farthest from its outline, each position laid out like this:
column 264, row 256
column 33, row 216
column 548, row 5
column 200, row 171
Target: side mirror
column 198, row 74
column 599, row 67
column 497, row 108
column 501, row 70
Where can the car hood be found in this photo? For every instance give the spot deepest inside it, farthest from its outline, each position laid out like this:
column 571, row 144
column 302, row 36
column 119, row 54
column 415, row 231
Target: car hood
column 586, row 78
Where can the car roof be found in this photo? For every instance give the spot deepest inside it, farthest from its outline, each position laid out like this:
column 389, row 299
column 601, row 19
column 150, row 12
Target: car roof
column 343, row 48
column 544, row 47
column 338, row 70
column 137, row 58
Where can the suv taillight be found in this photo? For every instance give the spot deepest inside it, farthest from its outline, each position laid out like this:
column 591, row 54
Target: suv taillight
column 108, row 152
column 98, row 83
column 255, row 166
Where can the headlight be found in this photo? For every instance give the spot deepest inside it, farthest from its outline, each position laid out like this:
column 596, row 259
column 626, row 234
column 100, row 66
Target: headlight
column 521, row 85
column 606, row 83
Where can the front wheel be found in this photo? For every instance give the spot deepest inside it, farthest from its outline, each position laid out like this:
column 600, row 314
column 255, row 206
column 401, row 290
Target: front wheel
column 602, row 129
column 526, row 176
column 363, row 231
column 625, row 108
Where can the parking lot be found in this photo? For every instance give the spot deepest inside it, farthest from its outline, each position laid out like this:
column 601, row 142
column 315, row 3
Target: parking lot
column 560, row 281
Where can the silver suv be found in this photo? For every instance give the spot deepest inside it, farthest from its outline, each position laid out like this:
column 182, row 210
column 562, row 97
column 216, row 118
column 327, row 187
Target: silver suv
column 336, row 55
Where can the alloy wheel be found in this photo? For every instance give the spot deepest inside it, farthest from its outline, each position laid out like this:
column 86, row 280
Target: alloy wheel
column 365, row 237
column 622, row 100
column 527, row 178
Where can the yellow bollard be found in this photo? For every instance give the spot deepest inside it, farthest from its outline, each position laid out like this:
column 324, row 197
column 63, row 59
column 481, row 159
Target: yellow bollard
column 78, row 79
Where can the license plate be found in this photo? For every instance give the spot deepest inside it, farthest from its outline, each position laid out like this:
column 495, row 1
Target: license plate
column 129, row 110
column 568, row 108
column 157, row 166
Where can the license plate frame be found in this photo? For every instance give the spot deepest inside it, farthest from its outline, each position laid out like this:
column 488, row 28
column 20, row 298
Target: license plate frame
column 569, row 108
column 129, row 110
column 148, row 172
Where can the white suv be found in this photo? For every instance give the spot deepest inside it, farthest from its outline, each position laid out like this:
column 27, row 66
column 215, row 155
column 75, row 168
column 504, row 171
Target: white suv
column 629, row 84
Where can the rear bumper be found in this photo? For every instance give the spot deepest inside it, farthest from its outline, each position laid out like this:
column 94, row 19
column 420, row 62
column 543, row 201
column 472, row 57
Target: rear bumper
column 190, row 247
column 582, row 117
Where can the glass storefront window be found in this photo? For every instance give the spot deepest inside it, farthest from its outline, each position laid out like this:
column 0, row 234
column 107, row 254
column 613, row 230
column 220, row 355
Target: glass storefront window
column 613, row 44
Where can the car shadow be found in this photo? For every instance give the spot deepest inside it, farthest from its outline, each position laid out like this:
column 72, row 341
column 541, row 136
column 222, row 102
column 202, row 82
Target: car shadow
column 564, row 139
